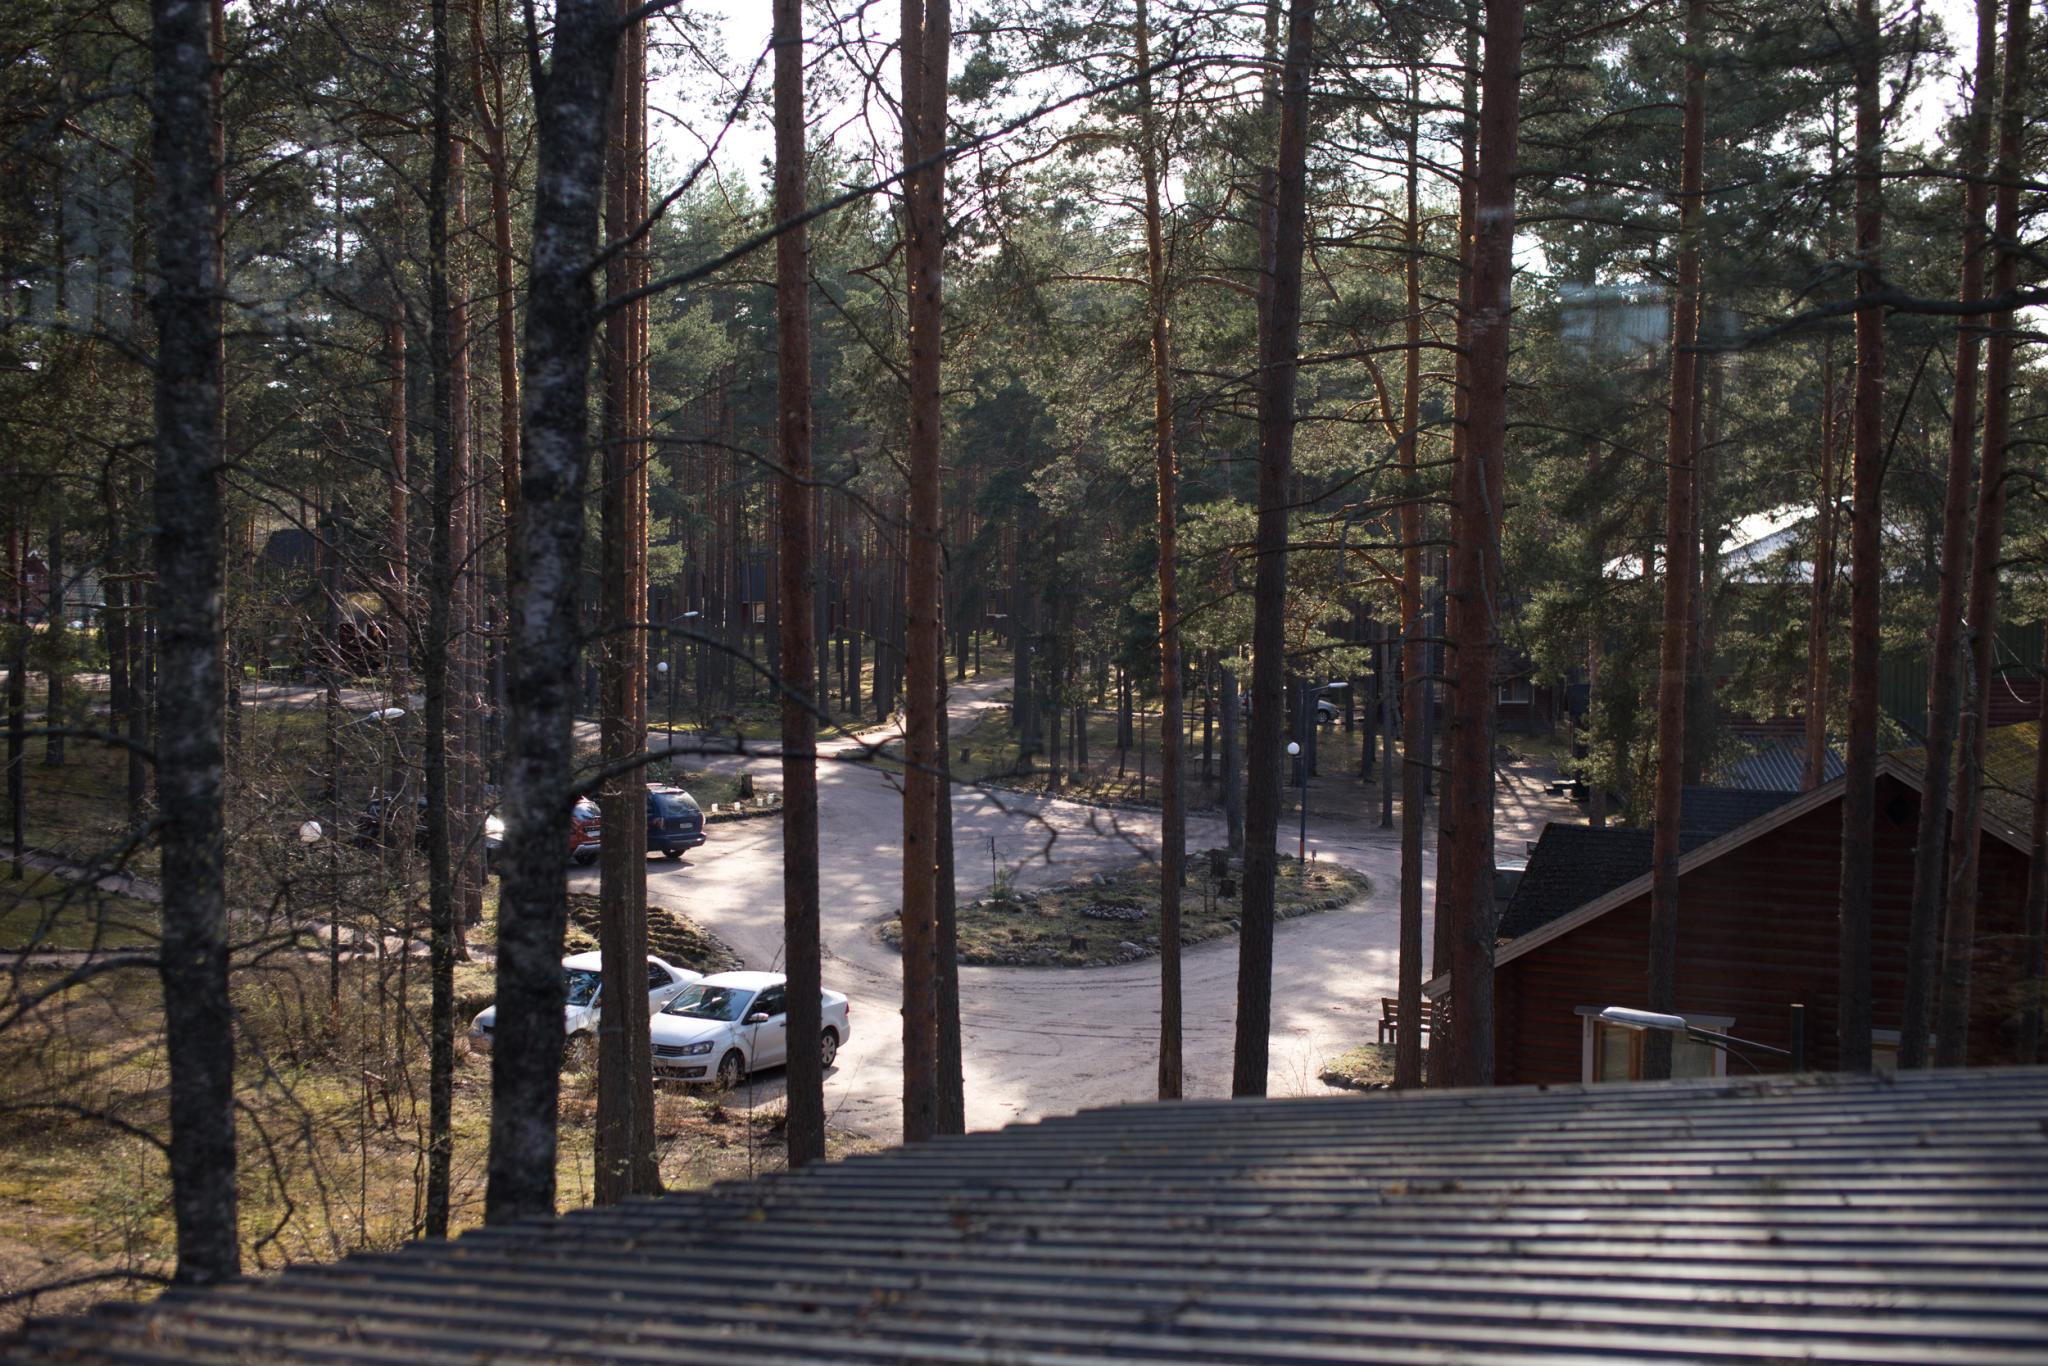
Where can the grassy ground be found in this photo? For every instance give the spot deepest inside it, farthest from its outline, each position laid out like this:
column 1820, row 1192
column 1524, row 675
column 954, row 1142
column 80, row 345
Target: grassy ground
column 758, row 718
column 44, row 912
column 1086, row 922
column 1131, row 776
column 1368, row 1067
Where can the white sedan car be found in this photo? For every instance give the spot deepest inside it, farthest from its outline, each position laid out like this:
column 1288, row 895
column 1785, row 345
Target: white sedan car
column 720, row 1028
column 583, row 979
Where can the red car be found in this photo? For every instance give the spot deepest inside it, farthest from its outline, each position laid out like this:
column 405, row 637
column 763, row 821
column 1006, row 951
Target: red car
column 586, row 833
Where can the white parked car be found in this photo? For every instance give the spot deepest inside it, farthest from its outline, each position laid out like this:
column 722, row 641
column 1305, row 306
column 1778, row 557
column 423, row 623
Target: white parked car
column 582, row 976
column 722, row 1027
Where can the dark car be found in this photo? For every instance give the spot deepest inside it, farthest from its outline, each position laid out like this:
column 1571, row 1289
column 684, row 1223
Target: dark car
column 674, row 822
column 371, row 819
column 586, row 832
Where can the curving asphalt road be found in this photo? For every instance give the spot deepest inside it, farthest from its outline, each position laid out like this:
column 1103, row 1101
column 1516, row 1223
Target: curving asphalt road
column 1037, row 1041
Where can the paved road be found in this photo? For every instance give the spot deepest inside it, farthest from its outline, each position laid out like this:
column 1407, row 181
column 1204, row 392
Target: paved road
column 1037, row 1041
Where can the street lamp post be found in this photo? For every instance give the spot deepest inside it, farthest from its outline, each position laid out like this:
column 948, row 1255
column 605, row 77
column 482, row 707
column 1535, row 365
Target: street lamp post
column 1628, row 1018
column 1301, row 771
column 668, row 679
column 1299, row 751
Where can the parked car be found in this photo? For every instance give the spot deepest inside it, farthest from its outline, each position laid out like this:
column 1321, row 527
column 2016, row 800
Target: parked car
column 1327, row 712
column 720, row 1028
column 370, row 829
column 582, row 975
column 371, row 819
column 674, row 821
column 586, row 832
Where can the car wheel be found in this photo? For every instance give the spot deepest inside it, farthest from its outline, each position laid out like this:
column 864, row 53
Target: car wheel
column 828, row 1047
column 732, row 1070
column 579, row 1054
column 672, row 855
column 584, row 858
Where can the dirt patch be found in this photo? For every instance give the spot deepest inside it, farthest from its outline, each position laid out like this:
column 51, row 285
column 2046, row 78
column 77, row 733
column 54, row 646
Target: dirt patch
column 1113, row 917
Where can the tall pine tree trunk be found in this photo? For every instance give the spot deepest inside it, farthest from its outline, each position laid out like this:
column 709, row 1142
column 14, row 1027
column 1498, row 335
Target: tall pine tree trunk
column 443, row 623
column 2035, row 918
column 1944, row 661
column 1279, row 343
column 1959, row 939
column 927, row 36
column 1821, row 599
column 1408, row 1035
column 541, row 669
column 626, row 1163
column 1172, row 818
column 1678, row 553
column 801, row 952
column 56, row 643
column 1859, row 799
column 193, row 956
column 1466, row 875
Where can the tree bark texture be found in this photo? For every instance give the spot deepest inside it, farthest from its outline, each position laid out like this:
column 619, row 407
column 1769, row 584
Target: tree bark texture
column 950, row 1103
column 927, row 36
column 489, row 113
column 1679, row 457
column 193, row 956
column 1959, row 938
column 1279, row 342
column 1821, row 598
column 1172, row 784
column 569, row 107
column 1929, row 877
column 626, row 1163
column 1466, row 874
column 2035, row 919
column 800, row 934
column 1414, row 815
column 1433, row 561
column 56, row 643
column 1859, row 798
column 443, row 625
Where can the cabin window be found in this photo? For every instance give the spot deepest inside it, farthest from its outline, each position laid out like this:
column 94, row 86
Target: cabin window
column 1516, row 690
column 1612, row 1053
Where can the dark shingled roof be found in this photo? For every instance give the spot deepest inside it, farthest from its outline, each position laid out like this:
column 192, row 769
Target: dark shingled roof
column 1815, row 1219
column 1707, row 813
column 1573, row 864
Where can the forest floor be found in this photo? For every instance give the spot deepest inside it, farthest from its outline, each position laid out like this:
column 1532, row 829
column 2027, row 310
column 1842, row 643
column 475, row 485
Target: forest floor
column 332, row 1099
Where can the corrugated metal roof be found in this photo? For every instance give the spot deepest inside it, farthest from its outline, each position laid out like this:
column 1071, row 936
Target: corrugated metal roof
column 1812, row 1219
column 1777, row 768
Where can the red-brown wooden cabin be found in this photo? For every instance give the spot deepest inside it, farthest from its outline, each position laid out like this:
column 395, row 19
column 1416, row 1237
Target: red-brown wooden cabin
column 1757, row 932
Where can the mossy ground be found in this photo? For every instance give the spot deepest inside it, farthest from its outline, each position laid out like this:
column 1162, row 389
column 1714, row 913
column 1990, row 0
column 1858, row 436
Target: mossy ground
column 1085, row 922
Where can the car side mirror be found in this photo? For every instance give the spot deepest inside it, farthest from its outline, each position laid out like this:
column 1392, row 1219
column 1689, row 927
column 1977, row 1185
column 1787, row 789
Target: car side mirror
column 758, row 1017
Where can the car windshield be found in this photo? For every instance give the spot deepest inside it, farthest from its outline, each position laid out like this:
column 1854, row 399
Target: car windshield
column 673, row 804
column 582, row 985
column 702, row 1002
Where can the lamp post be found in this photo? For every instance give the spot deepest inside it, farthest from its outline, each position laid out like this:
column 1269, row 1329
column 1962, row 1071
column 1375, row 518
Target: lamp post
column 1627, row 1018
column 1301, row 771
column 1299, row 750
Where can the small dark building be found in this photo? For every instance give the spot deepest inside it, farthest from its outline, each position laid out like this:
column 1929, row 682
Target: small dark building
column 1759, row 884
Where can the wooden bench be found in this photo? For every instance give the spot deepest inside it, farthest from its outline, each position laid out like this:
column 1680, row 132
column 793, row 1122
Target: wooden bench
column 1390, row 1018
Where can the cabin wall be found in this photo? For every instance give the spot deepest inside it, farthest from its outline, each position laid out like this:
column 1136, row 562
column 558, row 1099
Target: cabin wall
column 1758, row 930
